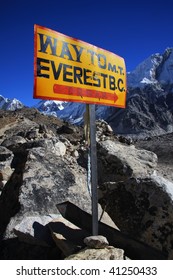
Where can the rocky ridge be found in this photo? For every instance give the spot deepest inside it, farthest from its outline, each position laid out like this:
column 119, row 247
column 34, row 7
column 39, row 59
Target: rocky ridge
column 43, row 162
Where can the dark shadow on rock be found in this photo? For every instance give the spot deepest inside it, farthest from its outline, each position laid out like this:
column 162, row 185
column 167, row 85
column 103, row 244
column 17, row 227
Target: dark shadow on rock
column 9, row 199
column 76, row 236
column 82, row 160
column 13, row 249
column 64, row 129
column 43, row 233
column 133, row 248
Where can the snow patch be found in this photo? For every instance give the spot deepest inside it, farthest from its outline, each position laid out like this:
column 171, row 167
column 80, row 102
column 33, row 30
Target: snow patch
column 146, row 81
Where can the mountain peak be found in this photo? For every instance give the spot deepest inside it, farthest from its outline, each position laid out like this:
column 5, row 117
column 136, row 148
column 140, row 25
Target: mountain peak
column 10, row 104
column 157, row 69
column 165, row 69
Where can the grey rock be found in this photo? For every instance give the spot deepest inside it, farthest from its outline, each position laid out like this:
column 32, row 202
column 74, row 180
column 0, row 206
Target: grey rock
column 20, row 127
column 118, row 162
column 5, row 154
column 142, row 208
column 46, row 181
column 6, row 157
column 96, row 242
column 13, row 143
column 5, row 172
column 109, row 253
column 109, row 128
column 60, row 149
column 32, row 134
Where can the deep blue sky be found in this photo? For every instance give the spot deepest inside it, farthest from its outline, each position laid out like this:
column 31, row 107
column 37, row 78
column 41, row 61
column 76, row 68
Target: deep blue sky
column 133, row 30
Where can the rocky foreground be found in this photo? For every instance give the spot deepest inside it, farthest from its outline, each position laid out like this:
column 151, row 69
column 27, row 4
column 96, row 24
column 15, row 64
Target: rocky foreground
column 43, row 162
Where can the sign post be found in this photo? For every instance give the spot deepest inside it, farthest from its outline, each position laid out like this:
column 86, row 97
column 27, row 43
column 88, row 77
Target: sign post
column 68, row 69
column 94, row 183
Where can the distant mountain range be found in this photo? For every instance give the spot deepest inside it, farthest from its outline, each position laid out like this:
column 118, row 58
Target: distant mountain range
column 149, row 109
column 10, row 104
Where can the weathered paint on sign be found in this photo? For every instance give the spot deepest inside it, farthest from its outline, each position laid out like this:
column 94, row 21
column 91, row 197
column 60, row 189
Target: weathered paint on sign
column 72, row 70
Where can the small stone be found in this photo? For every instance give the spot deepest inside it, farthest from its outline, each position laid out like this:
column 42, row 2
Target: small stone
column 60, row 149
column 109, row 128
column 75, row 153
column 96, row 242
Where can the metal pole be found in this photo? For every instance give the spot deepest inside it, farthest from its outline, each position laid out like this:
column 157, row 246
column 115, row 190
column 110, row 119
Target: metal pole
column 94, row 180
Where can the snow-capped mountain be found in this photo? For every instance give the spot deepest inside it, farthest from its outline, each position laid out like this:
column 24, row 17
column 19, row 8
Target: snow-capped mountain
column 51, row 107
column 155, row 70
column 150, row 98
column 10, row 104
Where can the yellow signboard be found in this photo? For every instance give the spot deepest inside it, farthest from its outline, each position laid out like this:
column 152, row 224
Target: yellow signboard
column 72, row 70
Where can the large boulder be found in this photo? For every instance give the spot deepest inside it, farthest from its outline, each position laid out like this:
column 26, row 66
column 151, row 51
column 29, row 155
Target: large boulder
column 139, row 201
column 118, row 162
column 142, row 208
column 46, row 180
column 44, row 176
